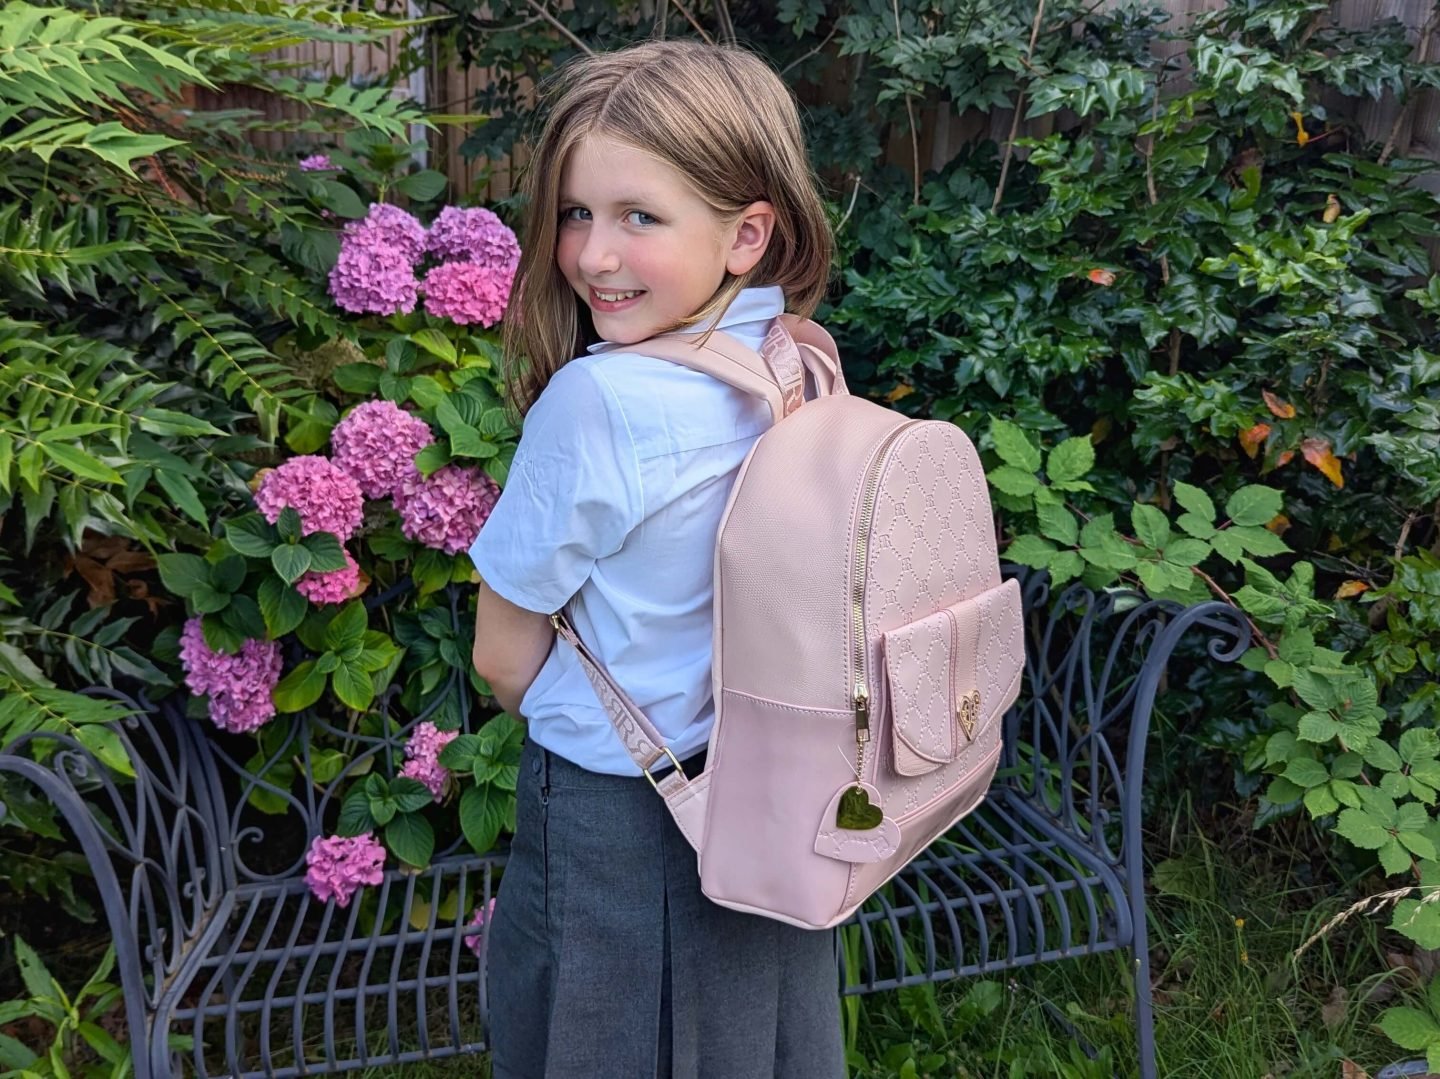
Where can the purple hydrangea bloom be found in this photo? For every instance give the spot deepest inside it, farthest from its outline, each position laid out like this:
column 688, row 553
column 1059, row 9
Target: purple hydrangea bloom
column 474, row 235
column 467, row 292
column 316, row 163
column 478, row 920
column 340, row 865
column 422, row 754
column 376, row 444
column 332, row 586
column 374, row 281
column 238, row 686
column 446, row 509
column 326, row 498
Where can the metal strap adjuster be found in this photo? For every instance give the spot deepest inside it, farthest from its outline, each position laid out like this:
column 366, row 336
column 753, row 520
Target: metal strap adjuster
column 673, row 760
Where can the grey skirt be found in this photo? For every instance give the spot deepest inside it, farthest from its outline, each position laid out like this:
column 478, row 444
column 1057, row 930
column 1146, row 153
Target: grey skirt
column 606, row 962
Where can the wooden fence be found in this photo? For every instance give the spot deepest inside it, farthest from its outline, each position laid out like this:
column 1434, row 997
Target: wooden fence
column 941, row 131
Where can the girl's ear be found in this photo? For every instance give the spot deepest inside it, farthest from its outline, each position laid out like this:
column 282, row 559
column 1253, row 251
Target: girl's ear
column 751, row 234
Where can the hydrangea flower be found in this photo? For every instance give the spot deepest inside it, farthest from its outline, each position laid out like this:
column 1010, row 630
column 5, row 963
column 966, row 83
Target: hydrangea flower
column 340, row 865
column 374, row 281
column 387, row 227
column 478, row 920
column 324, row 496
column 239, row 686
column 376, row 444
column 332, row 586
column 316, row 163
column 467, row 292
column 473, row 235
column 446, row 509
column 422, row 754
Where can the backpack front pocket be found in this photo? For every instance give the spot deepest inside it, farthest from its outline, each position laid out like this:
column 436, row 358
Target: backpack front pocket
column 934, row 683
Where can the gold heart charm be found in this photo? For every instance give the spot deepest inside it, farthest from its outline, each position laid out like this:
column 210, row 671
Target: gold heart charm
column 967, row 713
column 856, row 813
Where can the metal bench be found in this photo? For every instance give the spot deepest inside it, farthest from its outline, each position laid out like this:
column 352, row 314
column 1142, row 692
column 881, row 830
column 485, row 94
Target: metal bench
column 230, row 967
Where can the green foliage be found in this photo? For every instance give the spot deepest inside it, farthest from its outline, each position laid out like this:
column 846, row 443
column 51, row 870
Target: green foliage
column 75, row 1022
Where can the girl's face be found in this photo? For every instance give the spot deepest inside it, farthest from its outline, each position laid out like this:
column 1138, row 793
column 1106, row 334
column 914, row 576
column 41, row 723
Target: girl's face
column 640, row 248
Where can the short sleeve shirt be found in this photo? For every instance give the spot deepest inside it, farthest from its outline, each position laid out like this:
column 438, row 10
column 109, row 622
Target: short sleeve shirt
column 614, row 499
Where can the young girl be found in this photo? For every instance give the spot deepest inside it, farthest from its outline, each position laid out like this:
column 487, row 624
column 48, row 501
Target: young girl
column 669, row 192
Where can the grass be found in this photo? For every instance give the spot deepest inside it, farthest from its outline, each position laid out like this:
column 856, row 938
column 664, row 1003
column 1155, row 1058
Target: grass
column 1229, row 910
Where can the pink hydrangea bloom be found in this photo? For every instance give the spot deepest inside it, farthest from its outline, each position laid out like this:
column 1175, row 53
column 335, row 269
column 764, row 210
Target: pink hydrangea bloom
column 332, row 586
column 388, row 227
column 446, row 509
column 422, row 754
column 376, row 443
column 477, row 920
column 316, row 163
column 238, row 686
column 340, row 865
column 374, row 281
column 467, row 292
column 324, row 496
column 473, row 235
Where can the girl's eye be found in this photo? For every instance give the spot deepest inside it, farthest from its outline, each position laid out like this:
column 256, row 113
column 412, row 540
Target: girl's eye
column 647, row 219
column 571, row 213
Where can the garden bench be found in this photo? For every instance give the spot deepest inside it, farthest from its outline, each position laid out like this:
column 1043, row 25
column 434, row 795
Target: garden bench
column 230, row 967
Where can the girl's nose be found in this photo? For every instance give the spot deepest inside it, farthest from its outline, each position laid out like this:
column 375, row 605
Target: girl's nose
column 599, row 255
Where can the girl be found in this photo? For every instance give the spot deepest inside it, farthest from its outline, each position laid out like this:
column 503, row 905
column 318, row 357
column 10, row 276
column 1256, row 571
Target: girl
column 669, row 192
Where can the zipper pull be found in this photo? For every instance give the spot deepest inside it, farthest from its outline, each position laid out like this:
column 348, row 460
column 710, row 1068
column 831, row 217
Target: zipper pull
column 862, row 713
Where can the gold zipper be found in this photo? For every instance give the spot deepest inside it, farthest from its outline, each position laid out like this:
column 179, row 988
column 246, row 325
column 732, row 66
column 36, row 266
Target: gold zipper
column 860, row 690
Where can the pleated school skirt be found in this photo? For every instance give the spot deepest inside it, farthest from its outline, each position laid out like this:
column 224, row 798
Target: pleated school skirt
column 605, row 960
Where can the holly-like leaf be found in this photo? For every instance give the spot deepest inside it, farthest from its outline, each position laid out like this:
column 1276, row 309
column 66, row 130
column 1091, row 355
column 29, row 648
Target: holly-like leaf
column 1014, row 446
column 1254, row 505
column 1071, row 460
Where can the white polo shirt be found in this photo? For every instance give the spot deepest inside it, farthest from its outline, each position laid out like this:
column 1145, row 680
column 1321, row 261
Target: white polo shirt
column 615, row 497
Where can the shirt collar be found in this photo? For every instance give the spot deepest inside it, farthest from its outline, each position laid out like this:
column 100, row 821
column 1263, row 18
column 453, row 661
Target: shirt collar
column 760, row 304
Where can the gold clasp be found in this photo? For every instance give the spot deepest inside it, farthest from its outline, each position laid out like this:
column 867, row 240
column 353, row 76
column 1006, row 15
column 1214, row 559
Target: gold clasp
column 967, row 713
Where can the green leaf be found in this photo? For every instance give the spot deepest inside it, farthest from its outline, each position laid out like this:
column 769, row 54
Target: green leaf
column 182, row 492
column 1059, row 524
column 1362, row 829
column 1071, row 460
column 290, row 561
column 1304, row 772
column 1256, row 541
column 1186, row 552
column 1031, row 551
column 358, row 378
column 1151, row 526
column 289, row 525
column 1013, row 446
column 326, row 554
column 281, row 606
column 165, row 421
column 252, row 536
column 432, row 457
column 33, row 972
column 184, row 574
column 1197, row 527
column 460, row 753
column 1254, row 505
column 354, row 686
column 300, row 688
column 1418, row 921
column 109, row 750
column 1320, row 801
column 1409, row 1028
column 482, row 815
column 347, row 627
column 410, row 794
column 1196, row 501
column 411, row 839
column 80, row 463
column 355, row 818
column 437, row 344
column 422, row 186
column 426, row 392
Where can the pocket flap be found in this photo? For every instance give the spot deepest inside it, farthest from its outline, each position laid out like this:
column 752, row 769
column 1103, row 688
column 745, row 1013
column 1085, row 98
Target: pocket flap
column 952, row 674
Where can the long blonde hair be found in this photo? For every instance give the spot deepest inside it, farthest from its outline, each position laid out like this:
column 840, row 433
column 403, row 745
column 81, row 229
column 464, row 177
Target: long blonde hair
column 726, row 122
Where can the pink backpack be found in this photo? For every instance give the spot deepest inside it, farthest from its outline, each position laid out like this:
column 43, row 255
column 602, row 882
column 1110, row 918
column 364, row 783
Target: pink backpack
column 865, row 647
